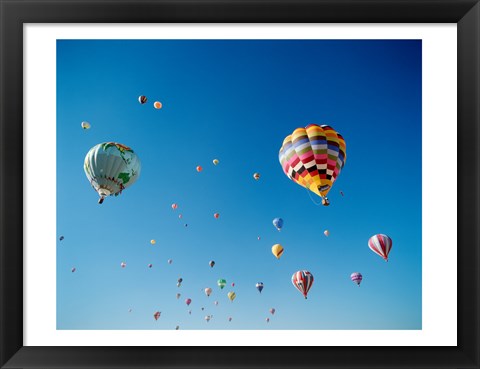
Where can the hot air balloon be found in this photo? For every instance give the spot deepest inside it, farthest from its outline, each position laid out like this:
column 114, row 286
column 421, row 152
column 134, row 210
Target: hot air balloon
column 229, row 318
column 313, row 158
column 216, row 303
column 186, row 225
column 180, row 216
column 208, row 291
column 326, row 232
column 211, row 263
column 221, row 283
column 142, row 99
column 216, row 215
column 61, row 238
column 258, row 238
column 178, row 295
column 180, row 280
column 190, row 312
column 188, row 301
column 233, row 284
column 153, row 242
column 356, row 278
column 256, row 176
column 170, row 261
column 268, row 320
column 302, row 280
column 157, row 105
column 231, row 295
column 156, row 315
column 129, row 310
column 177, row 327
column 203, row 308
column 199, row 168
column 174, row 206
column 278, row 223
column 85, row 125
column 150, row 265
column 207, row 318
column 277, row 250
column 259, row 286
column 110, row 168
column 73, row 270
column 341, row 193
column 272, row 311
column 123, row 264
column 380, row 244
column 215, row 161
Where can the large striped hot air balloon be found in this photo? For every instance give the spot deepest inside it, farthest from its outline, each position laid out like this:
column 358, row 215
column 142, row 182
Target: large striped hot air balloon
column 313, row 158
column 110, row 168
column 302, row 280
column 381, row 245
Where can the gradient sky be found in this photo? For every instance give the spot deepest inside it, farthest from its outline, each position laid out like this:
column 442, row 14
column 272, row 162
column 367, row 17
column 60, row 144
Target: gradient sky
column 236, row 101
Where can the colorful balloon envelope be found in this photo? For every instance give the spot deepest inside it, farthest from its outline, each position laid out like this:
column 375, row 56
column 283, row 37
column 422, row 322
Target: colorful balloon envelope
column 188, row 301
column 302, row 280
column 150, row 265
column 259, row 286
column 216, row 215
column 207, row 318
column 215, row 161
column 356, row 278
column 174, row 206
column 278, row 223
column 157, row 105
column 180, row 280
column 211, row 263
column 230, row 319
column 156, row 315
column 85, row 125
column 61, row 238
column 381, row 245
column 142, row 99
column 313, row 157
column 111, row 168
column 326, row 232
column 199, row 168
column 216, row 303
column 73, row 270
column 256, row 176
column 153, row 242
column 277, row 250
column 267, row 320
column 123, row 264
column 177, row 327
column 272, row 311
column 208, row 291
column 231, row 295
column 178, row 295
column 170, row 261
column 221, row 283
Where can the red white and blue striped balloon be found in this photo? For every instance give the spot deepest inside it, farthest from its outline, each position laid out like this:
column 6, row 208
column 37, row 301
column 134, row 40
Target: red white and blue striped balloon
column 380, row 244
column 356, row 277
column 302, row 280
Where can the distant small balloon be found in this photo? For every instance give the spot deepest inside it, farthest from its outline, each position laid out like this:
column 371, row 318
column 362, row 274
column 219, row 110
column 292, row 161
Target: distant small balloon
column 85, row 125
column 341, row 193
column 233, row 284
column 208, row 291
column 188, row 302
column 177, row 327
column 256, row 176
column 156, row 315
column 150, row 265
column 231, row 295
column 258, row 238
column 326, row 232
column 268, row 319
column 356, row 278
column 216, row 303
column 272, row 311
column 129, row 310
column 180, row 216
column 277, row 250
column 211, row 263
column 61, row 238
column 230, row 319
column 190, row 312
column 142, row 99
column 215, row 161
column 123, row 264
column 216, row 215
column 178, row 295
column 157, row 105
column 174, row 206
column 73, row 270
column 170, row 261
column 199, row 168
column 153, row 242
column 186, row 225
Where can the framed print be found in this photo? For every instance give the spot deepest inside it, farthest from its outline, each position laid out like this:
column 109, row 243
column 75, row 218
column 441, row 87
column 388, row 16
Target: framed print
column 228, row 184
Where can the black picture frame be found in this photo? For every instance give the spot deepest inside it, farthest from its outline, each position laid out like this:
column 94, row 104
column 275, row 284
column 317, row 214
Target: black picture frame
column 15, row 13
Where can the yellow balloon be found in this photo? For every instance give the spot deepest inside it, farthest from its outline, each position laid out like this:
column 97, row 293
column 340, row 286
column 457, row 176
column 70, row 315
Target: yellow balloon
column 215, row 161
column 277, row 250
column 153, row 242
column 232, row 295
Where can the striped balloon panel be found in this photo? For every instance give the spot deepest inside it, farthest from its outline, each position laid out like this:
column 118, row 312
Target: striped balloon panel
column 313, row 157
column 302, row 280
column 111, row 166
column 380, row 244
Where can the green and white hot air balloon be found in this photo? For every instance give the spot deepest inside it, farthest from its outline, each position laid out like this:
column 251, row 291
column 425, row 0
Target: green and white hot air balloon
column 110, row 168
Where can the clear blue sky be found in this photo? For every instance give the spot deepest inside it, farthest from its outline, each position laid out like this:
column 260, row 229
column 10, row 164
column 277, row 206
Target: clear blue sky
column 236, row 101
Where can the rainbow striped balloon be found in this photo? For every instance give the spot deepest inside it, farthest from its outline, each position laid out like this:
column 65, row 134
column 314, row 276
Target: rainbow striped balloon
column 302, row 280
column 313, row 158
column 380, row 244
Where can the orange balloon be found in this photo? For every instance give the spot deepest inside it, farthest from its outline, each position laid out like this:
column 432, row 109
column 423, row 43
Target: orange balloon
column 199, row 168
column 157, row 105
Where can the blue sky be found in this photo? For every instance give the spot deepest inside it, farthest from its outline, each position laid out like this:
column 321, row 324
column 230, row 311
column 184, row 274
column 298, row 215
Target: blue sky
column 236, row 101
